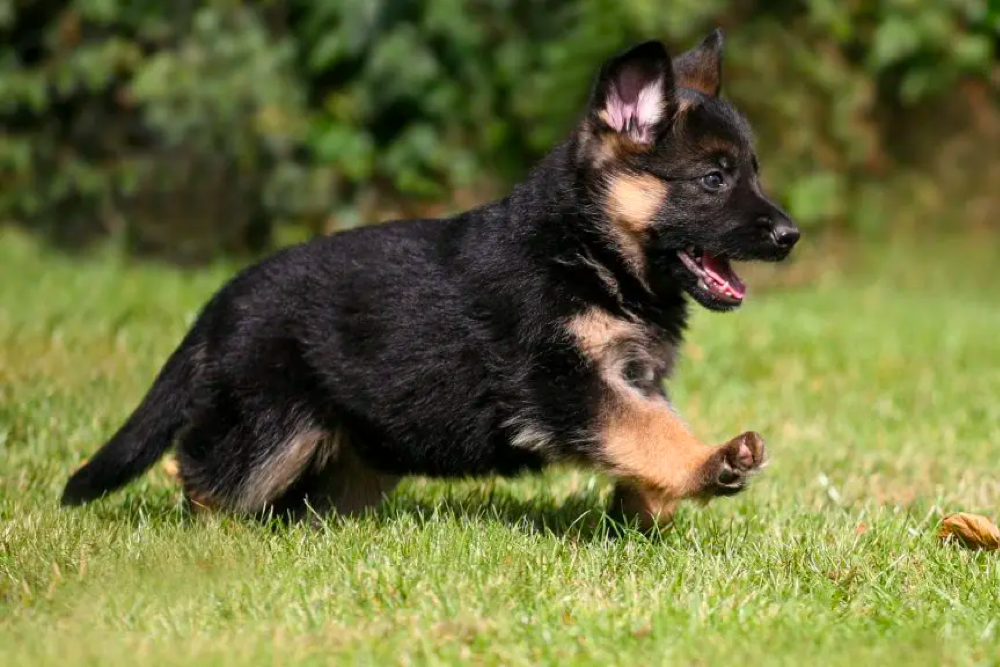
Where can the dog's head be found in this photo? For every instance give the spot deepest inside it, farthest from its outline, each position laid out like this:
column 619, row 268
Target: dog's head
column 673, row 168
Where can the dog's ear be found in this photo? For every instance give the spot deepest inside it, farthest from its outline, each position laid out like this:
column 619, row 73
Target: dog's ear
column 701, row 68
column 634, row 92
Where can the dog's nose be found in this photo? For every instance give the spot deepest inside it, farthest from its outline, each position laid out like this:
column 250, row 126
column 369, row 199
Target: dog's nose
column 784, row 235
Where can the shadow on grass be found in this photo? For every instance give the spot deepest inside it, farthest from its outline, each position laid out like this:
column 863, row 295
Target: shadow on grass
column 579, row 518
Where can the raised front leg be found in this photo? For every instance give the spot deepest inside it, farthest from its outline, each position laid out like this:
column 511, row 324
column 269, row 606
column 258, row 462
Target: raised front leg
column 639, row 438
column 654, row 478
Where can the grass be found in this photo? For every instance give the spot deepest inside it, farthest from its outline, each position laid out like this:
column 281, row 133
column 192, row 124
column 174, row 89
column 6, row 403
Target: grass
column 873, row 372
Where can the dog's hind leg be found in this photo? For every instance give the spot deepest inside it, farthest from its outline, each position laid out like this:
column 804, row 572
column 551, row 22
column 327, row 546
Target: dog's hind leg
column 243, row 461
column 337, row 481
column 283, row 464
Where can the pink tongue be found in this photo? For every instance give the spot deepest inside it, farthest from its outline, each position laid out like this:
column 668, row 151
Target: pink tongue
column 723, row 272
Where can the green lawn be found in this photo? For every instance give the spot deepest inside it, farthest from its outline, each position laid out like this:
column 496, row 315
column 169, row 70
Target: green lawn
column 874, row 373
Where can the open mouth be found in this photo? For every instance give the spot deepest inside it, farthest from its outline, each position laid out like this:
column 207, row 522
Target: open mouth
column 715, row 275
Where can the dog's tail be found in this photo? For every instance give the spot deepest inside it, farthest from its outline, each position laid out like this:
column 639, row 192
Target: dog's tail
column 144, row 437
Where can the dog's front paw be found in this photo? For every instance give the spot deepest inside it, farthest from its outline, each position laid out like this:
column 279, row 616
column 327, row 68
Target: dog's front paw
column 728, row 472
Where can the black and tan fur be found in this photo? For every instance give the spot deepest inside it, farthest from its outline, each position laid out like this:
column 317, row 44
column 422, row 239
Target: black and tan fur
column 535, row 329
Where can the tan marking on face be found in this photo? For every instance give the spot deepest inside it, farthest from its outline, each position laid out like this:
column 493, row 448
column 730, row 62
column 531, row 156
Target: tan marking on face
column 641, row 438
column 712, row 144
column 633, row 201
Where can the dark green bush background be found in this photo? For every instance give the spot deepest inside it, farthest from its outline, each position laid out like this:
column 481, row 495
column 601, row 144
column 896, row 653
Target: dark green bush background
column 190, row 129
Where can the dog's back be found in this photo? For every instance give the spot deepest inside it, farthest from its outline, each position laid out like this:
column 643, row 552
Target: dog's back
column 389, row 340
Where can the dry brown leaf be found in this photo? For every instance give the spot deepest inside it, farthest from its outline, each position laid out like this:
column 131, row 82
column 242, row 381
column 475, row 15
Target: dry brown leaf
column 972, row 530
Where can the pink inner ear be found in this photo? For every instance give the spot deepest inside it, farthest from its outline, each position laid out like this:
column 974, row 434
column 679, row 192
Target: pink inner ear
column 636, row 117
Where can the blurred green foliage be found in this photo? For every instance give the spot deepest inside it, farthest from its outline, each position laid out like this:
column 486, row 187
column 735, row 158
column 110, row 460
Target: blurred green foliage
column 196, row 128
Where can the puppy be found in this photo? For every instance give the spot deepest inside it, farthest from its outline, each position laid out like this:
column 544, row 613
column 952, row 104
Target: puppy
column 535, row 329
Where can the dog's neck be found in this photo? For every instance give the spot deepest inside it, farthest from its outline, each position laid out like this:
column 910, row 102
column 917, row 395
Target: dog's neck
column 573, row 236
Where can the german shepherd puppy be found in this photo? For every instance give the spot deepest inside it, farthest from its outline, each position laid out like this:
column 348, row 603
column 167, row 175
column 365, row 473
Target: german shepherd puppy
column 534, row 329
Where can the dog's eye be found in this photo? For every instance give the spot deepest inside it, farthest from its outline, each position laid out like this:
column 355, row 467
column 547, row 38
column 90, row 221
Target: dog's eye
column 713, row 181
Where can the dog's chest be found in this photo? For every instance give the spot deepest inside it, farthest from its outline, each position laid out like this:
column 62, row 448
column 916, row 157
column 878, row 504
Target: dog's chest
column 625, row 352
column 650, row 361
